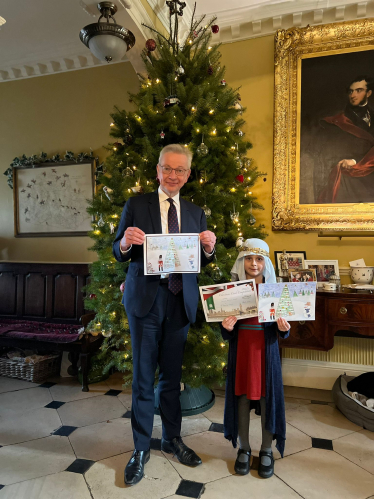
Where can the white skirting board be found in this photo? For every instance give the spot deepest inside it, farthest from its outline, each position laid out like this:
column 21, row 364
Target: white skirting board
column 316, row 374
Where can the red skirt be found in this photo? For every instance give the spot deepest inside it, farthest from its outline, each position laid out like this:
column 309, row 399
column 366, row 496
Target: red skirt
column 250, row 360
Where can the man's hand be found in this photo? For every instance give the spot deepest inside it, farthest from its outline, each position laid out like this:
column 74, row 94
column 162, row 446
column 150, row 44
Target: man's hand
column 229, row 322
column 347, row 163
column 132, row 235
column 283, row 325
column 208, row 240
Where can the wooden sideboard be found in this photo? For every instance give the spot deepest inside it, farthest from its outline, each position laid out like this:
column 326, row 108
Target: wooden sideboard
column 348, row 313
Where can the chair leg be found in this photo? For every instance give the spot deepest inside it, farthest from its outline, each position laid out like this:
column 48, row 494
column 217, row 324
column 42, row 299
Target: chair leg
column 84, row 365
column 73, row 369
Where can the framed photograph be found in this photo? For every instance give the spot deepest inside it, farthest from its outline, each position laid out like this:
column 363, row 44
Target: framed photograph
column 302, row 275
column 295, row 259
column 168, row 253
column 295, row 301
column 323, row 128
column 51, row 199
column 233, row 298
column 323, row 268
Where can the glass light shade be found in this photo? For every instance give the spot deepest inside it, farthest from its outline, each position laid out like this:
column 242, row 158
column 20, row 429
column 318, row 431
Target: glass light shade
column 108, row 48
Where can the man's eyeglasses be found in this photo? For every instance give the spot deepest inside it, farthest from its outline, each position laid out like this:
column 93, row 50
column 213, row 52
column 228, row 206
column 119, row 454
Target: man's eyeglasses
column 179, row 171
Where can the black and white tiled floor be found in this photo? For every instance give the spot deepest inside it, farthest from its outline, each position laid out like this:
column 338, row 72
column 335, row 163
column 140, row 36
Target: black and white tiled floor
column 57, row 442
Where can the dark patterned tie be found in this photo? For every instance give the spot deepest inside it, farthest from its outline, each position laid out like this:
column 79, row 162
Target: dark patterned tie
column 175, row 280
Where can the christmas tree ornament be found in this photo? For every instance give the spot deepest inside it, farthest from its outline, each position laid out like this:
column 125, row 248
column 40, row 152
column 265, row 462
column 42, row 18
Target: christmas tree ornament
column 122, row 287
column 195, row 34
column 234, row 215
column 150, row 45
column 127, row 172
column 112, row 227
column 223, row 82
column 239, row 242
column 92, row 296
column 230, row 122
column 207, row 211
column 210, row 70
column 101, row 221
column 128, row 139
column 176, row 7
column 251, row 219
column 117, row 146
column 180, row 70
column 137, row 188
column 162, row 134
column 106, row 334
column 217, row 273
column 171, row 101
column 202, row 150
column 240, row 133
column 240, row 178
column 108, row 191
column 215, row 28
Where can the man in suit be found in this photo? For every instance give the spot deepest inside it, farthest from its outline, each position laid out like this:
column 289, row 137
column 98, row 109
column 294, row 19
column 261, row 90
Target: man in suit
column 160, row 308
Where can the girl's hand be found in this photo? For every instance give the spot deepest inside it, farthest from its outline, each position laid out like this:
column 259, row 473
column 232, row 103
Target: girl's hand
column 229, row 322
column 283, row 325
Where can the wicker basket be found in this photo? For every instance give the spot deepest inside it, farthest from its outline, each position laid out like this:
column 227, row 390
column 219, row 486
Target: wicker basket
column 37, row 373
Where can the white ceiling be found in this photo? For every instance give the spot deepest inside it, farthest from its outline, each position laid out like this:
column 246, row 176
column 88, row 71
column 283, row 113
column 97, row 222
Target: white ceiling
column 42, row 36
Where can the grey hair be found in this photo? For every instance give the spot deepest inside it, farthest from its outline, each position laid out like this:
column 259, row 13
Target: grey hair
column 176, row 149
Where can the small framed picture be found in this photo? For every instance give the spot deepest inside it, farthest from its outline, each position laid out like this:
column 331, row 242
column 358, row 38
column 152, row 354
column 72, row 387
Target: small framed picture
column 324, row 269
column 302, row 275
column 290, row 259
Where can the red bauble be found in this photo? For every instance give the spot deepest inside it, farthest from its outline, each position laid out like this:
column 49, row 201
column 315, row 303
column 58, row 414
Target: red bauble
column 210, row 70
column 240, row 178
column 215, row 28
column 150, row 45
column 92, row 296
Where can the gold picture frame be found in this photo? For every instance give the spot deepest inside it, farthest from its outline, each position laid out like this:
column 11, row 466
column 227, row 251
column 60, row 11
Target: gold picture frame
column 292, row 48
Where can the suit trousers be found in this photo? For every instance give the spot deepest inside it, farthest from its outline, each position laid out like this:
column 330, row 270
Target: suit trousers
column 158, row 339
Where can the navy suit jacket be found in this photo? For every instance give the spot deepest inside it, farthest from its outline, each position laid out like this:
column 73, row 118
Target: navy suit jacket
column 140, row 290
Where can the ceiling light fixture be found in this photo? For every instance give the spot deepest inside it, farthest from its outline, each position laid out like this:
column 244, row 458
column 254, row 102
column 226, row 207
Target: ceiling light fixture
column 108, row 42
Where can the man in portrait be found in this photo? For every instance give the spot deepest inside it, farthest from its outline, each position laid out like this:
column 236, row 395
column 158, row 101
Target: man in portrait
column 346, row 148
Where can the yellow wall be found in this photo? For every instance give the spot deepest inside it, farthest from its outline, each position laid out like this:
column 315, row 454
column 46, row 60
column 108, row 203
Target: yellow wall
column 71, row 111
column 250, row 64
column 52, row 114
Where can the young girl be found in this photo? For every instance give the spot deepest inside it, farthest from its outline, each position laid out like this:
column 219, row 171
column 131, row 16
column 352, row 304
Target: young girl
column 254, row 377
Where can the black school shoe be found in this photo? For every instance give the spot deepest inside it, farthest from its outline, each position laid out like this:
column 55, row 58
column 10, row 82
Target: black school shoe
column 266, row 471
column 242, row 468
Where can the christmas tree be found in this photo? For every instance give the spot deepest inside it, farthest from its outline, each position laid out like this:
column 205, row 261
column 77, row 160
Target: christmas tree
column 183, row 98
column 285, row 306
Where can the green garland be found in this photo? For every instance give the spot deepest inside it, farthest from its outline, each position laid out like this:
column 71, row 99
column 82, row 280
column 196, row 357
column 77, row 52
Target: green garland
column 25, row 162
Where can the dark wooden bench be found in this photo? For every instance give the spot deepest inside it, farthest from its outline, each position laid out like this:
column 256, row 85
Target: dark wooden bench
column 46, row 293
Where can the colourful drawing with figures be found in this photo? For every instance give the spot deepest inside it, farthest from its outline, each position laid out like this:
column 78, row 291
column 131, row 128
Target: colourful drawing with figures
column 295, row 301
column 167, row 253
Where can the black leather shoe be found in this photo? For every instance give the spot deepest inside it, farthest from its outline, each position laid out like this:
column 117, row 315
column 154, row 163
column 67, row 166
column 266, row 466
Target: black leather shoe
column 242, row 468
column 184, row 454
column 266, row 471
column 134, row 470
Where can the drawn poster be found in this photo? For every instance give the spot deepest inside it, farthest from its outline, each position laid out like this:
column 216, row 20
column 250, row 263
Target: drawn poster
column 168, row 253
column 53, row 199
column 295, row 301
column 234, row 298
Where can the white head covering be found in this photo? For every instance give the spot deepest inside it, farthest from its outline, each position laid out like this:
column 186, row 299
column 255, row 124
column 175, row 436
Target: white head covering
column 252, row 247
